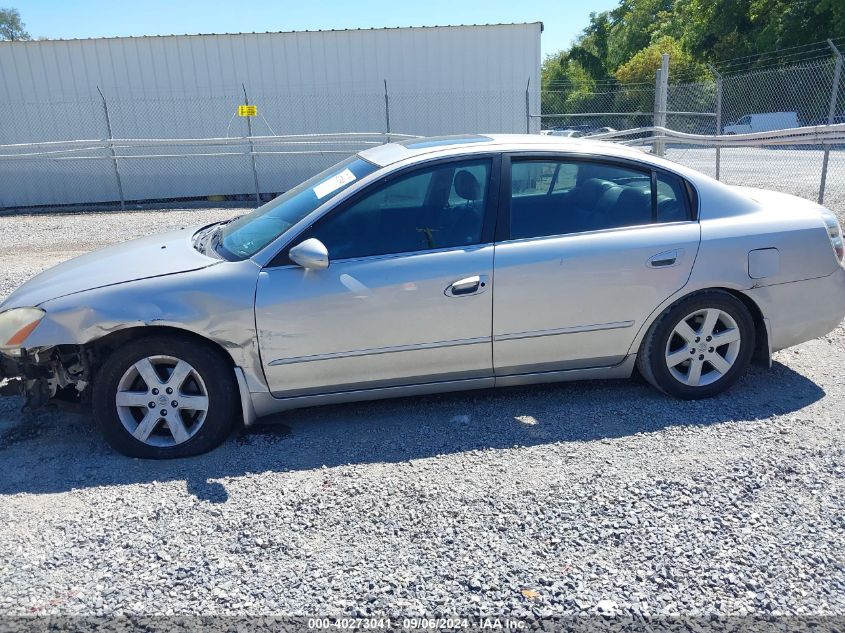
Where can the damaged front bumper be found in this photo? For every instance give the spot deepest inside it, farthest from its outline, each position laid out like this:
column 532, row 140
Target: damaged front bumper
column 42, row 374
column 23, row 375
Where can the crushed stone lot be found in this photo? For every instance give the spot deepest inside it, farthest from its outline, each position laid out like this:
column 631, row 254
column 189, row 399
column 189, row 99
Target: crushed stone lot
column 547, row 500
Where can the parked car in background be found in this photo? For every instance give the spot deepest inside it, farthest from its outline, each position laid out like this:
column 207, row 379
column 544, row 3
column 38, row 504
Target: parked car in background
column 601, row 130
column 763, row 122
column 431, row 265
column 565, row 132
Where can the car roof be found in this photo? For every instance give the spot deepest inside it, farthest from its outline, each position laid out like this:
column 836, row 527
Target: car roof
column 389, row 153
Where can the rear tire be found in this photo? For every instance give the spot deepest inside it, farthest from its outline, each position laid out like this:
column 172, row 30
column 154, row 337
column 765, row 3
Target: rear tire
column 699, row 347
column 162, row 397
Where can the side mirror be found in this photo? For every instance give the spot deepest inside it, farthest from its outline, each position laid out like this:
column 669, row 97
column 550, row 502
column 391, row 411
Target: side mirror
column 311, row 253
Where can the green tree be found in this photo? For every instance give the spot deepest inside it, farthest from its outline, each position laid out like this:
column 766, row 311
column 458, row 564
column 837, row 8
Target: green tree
column 11, row 27
column 591, row 50
column 705, row 31
column 636, row 24
column 643, row 65
column 719, row 30
column 619, row 49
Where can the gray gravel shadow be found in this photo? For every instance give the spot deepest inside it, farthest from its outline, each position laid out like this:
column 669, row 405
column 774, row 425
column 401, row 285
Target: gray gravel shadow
column 48, row 452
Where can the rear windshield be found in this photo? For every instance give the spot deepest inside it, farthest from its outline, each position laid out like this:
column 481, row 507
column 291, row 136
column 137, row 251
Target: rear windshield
column 250, row 233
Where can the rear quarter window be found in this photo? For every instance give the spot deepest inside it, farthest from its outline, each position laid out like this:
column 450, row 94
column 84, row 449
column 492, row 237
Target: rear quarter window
column 673, row 203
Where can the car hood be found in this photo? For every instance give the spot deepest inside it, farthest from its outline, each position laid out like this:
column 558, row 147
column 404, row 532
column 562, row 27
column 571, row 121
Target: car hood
column 142, row 258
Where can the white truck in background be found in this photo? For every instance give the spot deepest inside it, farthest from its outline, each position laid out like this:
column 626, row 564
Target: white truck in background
column 763, row 122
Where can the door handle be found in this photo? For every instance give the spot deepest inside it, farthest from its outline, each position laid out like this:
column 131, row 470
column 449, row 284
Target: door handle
column 467, row 286
column 666, row 259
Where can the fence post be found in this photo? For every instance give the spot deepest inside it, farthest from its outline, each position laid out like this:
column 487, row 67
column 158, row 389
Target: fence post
column 655, row 119
column 661, row 98
column 387, row 110
column 831, row 114
column 718, row 76
column 252, row 150
column 527, row 107
column 112, row 152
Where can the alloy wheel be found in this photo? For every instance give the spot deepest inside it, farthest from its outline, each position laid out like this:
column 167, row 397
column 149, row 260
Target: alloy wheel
column 162, row 401
column 703, row 347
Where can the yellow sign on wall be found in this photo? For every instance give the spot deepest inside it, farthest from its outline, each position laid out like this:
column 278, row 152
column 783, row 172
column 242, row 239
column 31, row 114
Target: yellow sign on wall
column 247, row 110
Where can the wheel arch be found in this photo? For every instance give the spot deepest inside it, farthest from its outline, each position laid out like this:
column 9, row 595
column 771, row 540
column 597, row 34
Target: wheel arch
column 104, row 345
column 762, row 348
column 100, row 349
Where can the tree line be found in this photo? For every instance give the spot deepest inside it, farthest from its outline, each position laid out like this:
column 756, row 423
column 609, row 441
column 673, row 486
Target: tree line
column 625, row 44
column 620, row 50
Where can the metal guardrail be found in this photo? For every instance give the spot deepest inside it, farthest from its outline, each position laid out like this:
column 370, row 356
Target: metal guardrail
column 65, row 150
column 123, row 152
column 824, row 137
column 815, row 178
column 807, row 135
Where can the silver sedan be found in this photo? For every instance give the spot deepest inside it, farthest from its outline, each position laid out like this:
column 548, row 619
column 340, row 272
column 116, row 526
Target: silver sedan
column 432, row 265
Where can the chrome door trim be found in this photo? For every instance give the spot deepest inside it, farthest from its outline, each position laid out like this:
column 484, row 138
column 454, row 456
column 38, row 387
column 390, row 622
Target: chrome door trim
column 564, row 330
column 380, row 350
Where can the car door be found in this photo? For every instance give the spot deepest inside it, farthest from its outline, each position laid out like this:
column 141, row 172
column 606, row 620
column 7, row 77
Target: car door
column 588, row 250
column 406, row 298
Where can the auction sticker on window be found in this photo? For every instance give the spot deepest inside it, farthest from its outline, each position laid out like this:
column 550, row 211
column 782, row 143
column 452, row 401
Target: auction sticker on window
column 334, row 183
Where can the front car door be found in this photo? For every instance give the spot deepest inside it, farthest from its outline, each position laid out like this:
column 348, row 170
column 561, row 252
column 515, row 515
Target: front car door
column 588, row 250
column 406, row 298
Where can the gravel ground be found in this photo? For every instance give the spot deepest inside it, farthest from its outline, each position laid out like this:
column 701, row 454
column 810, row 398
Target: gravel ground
column 545, row 500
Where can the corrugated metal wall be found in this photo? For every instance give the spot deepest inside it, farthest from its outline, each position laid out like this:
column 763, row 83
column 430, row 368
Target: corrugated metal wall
column 440, row 80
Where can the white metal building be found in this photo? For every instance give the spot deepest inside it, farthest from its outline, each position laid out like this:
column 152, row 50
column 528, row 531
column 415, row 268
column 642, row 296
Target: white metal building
column 426, row 80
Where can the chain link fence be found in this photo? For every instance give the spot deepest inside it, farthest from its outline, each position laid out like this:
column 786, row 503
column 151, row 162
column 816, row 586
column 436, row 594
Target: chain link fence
column 803, row 93
column 618, row 106
column 121, row 148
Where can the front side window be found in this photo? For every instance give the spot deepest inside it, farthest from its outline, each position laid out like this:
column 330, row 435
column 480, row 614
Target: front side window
column 431, row 208
column 249, row 233
column 558, row 197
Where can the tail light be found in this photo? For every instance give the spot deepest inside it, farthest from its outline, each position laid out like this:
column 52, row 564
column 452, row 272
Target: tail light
column 834, row 230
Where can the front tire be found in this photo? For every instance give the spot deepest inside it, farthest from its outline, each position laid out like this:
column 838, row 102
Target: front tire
column 698, row 347
column 161, row 397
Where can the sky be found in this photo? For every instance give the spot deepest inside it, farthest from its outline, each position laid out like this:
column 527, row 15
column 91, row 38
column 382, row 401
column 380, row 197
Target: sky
column 65, row 19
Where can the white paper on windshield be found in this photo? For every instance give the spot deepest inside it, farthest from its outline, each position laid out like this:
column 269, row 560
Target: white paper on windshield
column 334, row 183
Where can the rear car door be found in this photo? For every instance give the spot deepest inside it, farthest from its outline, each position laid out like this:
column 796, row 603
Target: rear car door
column 586, row 250
column 406, row 298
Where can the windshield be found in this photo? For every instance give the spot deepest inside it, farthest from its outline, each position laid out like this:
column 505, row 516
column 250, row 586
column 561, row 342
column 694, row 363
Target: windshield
column 248, row 234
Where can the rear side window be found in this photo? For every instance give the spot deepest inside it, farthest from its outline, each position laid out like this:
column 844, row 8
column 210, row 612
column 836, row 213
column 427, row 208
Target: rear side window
column 558, row 197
